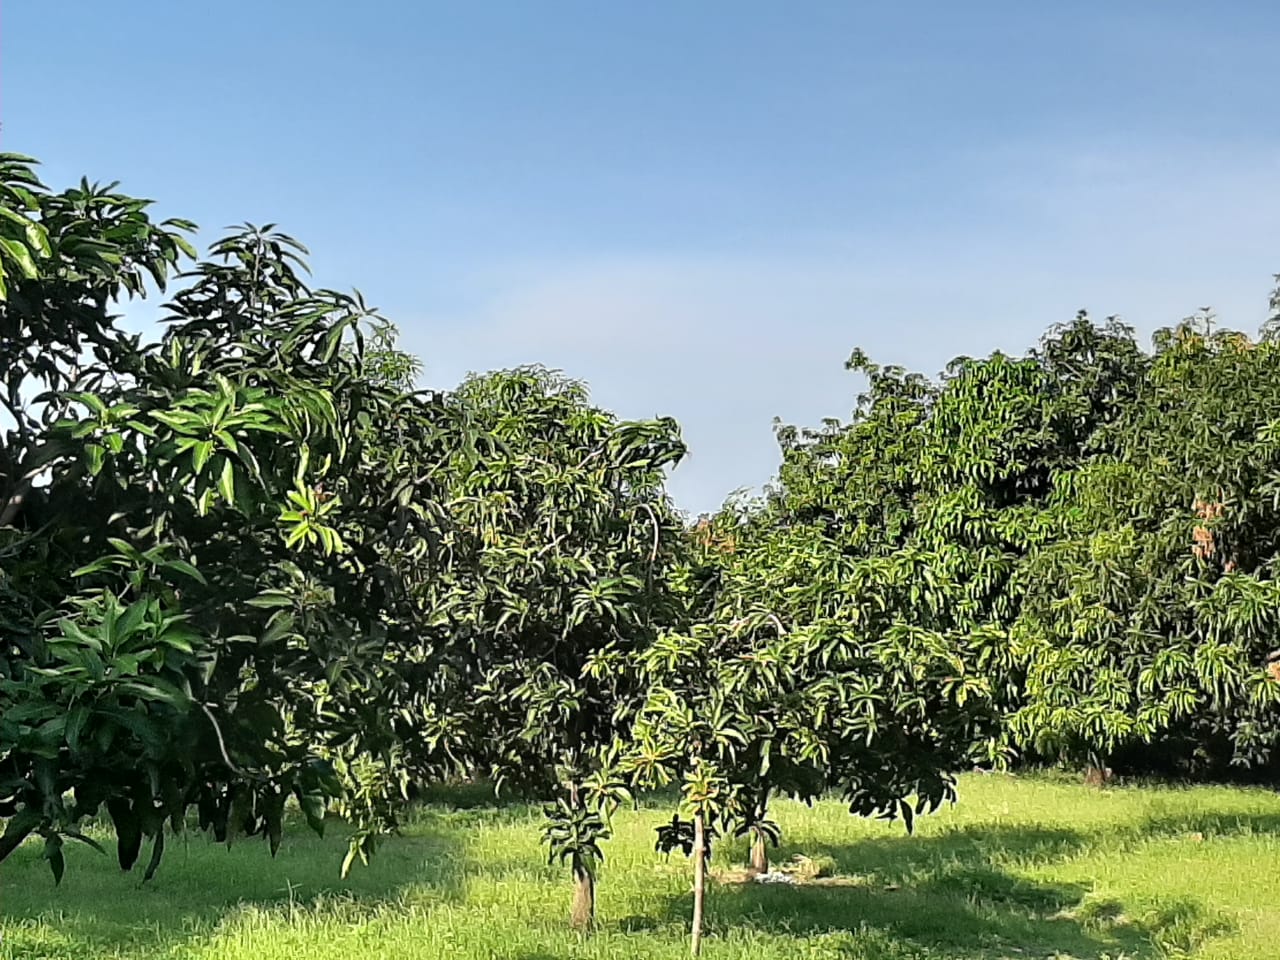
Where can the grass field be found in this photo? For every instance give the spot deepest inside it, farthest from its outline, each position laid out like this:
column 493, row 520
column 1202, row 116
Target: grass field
column 1019, row 868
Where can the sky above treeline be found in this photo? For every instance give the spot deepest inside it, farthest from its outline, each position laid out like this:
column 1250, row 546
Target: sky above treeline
column 698, row 208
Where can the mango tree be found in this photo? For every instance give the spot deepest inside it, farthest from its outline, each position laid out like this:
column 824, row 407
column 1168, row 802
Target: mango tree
column 200, row 598
column 1150, row 614
column 953, row 481
column 802, row 678
column 67, row 257
column 561, row 536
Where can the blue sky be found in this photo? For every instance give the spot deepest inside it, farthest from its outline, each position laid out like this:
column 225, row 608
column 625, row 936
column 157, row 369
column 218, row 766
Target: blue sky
column 700, row 207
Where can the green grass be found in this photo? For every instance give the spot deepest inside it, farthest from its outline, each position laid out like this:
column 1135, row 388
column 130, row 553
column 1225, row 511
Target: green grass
column 1020, row 868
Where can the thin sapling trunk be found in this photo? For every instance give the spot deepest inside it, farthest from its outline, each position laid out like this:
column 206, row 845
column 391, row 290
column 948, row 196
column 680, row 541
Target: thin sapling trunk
column 759, row 851
column 699, row 880
column 583, row 911
column 759, row 841
column 1096, row 772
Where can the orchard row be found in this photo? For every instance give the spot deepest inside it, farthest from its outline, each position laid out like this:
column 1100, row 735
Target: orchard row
column 250, row 562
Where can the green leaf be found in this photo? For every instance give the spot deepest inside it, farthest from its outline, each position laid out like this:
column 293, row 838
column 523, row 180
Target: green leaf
column 274, row 816
column 131, row 619
column 19, row 254
column 185, row 246
column 77, row 716
column 128, row 831
column 201, row 450
column 156, row 690
column 86, row 840
column 103, row 563
column 227, row 482
column 18, row 828
column 157, row 854
column 270, row 599
column 353, row 851
column 179, row 637
column 53, row 853
column 184, row 568
column 312, row 806
column 95, row 457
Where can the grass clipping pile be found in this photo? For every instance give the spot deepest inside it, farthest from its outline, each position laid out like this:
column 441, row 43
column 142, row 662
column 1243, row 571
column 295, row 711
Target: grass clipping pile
column 800, row 870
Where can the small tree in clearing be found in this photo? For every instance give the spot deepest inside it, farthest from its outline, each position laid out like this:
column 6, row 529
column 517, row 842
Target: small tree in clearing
column 800, row 679
column 561, row 539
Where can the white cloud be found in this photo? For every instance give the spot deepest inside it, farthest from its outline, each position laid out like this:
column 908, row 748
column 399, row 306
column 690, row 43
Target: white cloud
column 725, row 343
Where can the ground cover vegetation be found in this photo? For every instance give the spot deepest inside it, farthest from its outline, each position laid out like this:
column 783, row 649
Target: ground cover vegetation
column 252, row 576
column 1021, row 867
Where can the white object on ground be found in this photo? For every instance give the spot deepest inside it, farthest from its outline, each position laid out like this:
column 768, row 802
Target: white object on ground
column 775, row 876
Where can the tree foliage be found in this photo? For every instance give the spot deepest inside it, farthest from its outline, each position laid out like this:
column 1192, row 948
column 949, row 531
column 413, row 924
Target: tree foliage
column 562, row 539
column 1150, row 612
column 249, row 564
column 208, row 557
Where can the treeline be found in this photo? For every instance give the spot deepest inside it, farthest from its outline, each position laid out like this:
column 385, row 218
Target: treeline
column 249, row 565
column 1094, row 523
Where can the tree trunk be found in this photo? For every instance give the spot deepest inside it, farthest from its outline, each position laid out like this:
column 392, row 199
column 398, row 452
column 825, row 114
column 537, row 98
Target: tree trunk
column 699, row 880
column 583, row 912
column 1096, row 776
column 759, row 842
column 1096, row 772
column 759, row 852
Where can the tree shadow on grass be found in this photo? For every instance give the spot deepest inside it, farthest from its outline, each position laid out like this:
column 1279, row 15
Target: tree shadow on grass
column 99, row 910
column 953, row 894
column 914, row 857
column 1204, row 824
